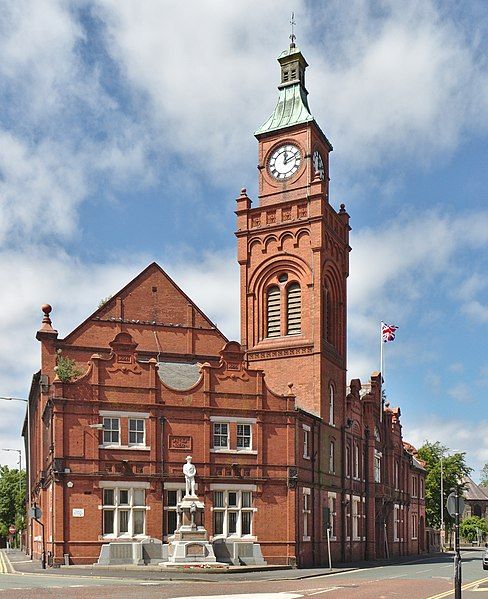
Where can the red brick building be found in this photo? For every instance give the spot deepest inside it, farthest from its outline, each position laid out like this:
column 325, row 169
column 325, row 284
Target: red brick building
column 286, row 453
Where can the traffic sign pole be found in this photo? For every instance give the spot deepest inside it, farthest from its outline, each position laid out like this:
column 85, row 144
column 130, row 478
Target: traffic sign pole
column 455, row 507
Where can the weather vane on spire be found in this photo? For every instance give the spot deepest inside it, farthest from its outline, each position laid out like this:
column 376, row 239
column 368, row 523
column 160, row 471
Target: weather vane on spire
column 293, row 37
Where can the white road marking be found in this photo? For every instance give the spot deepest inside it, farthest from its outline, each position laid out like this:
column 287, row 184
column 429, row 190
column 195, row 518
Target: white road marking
column 422, row 571
column 323, row 591
column 247, row 596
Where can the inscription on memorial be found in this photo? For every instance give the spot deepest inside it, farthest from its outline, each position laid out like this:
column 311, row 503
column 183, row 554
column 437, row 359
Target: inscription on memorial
column 195, row 550
column 180, row 442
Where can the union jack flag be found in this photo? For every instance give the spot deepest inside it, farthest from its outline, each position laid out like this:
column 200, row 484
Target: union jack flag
column 388, row 332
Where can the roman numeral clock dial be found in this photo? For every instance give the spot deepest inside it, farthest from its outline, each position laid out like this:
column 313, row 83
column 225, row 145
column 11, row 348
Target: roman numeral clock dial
column 284, row 162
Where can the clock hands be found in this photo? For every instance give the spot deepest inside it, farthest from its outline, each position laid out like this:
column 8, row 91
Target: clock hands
column 286, row 160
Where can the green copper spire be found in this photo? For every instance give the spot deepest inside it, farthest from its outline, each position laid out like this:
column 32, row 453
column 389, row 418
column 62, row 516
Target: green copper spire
column 292, row 107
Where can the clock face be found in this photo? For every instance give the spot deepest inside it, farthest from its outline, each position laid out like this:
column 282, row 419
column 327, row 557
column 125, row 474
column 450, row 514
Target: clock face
column 285, row 161
column 318, row 164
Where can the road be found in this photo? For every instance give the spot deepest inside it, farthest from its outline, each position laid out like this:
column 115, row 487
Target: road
column 423, row 579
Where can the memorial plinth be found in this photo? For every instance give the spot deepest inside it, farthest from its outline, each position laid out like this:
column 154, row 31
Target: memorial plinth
column 190, row 543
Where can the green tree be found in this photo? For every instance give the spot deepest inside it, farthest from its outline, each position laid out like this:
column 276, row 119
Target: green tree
column 454, row 469
column 470, row 526
column 12, row 499
column 484, row 476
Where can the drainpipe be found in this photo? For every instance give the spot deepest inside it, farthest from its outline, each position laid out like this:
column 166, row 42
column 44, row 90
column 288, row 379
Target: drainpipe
column 367, row 493
column 312, row 463
column 343, row 496
column 297, row 503
column 163, row 523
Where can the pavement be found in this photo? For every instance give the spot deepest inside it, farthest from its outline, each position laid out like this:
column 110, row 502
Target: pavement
column 20, row 563
column 424, row 577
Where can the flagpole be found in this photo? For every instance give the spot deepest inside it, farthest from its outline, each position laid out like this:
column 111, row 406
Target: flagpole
column 381, row 369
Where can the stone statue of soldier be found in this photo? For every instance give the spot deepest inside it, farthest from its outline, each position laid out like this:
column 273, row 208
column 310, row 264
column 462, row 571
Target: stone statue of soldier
column 189, row 471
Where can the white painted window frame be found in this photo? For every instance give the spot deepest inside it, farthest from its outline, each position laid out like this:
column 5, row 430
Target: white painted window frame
column 306, row 441
column 396, row 522
column 331, row 404
column 136, row 444
column 244, row 424
column 332, row 498
column 118, row 414
column 415, row 526
column 234, row 420
column 219, row 434
column 332, row 457
column 111, row 430
column 377, row 466
column 355, row 518
column 239, row 509
column 306, row 511
column 130, row 507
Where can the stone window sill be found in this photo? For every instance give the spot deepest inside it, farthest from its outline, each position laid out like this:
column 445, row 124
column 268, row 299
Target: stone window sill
column 236, row 451
column 130, row 447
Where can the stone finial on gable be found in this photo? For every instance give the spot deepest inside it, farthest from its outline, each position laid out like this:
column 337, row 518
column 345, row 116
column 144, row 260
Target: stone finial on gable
column 46, row 328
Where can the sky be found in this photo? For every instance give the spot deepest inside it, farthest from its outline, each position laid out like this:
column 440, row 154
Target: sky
column 126, row 133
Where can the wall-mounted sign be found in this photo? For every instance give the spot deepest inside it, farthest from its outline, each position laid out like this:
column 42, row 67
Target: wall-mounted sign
column 180, row 442
column 78, row 512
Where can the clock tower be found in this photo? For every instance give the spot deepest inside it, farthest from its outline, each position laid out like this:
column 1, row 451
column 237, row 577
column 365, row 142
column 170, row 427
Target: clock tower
column 293, row 251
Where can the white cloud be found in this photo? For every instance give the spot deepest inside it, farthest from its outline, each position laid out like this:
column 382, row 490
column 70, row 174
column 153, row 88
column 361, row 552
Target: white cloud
column 477, row 311
column 392, row 81
column 462, row 393
column 391, row 270
column 433, row 381
column 213, row 283
column 201, row 76
column 457, row 435
column 61, row 134
column 398, row 79
column 39, row 275
column 201, row 67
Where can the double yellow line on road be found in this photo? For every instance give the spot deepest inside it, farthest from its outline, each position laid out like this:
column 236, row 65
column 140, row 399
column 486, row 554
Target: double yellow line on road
column 3, row 564
column 465, row 587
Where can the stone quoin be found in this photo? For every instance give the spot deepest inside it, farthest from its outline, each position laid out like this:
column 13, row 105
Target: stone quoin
column 288, row 453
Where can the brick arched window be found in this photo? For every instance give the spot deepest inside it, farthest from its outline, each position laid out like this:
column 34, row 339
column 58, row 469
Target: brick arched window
column 294, row 310
column 329, row 316
column 273, row 312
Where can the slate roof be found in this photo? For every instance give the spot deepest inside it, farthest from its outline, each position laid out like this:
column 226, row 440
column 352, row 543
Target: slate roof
column 179, row 375
column 473, row 491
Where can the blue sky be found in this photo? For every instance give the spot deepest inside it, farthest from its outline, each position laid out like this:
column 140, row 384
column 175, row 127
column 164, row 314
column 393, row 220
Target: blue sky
column 126, row 135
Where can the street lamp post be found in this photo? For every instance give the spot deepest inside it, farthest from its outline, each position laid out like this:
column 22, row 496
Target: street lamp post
column 20, row 476
column 28, row 465
column 442, row 503
column 443, row 528
column 20, row 464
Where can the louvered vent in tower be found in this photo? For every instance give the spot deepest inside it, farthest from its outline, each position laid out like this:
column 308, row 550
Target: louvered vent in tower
column 274, row 315
column 294, row 310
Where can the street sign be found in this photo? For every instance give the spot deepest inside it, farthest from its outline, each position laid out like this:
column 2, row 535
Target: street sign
column 12, row 530
column 35, row 512
column 451, row 505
